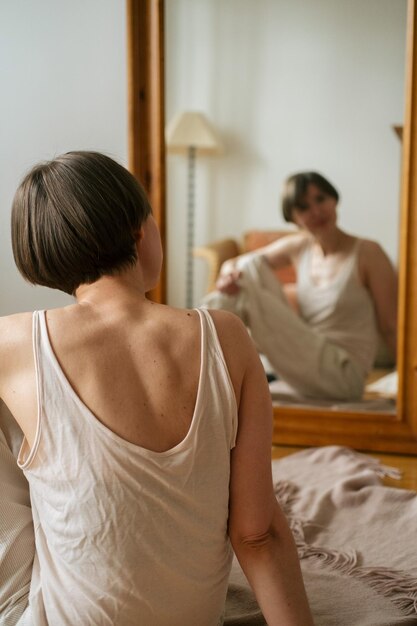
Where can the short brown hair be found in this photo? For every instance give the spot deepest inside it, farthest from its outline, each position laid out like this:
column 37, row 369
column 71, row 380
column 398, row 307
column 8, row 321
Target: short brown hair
column 75, row 219
column 295, row 188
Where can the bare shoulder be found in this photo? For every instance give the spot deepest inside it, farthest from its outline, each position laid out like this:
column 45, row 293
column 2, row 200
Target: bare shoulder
column 175, row 319
column 370, row 248
column 15, row 330
column 233, row 336
column 376, row 269
column 372, row 253
column 15, row 341
column 238, row 348
column 226, row 323
column 230, row 329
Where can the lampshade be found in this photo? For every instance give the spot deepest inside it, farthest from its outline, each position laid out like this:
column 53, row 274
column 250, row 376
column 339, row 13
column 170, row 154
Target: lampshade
column 192, row 129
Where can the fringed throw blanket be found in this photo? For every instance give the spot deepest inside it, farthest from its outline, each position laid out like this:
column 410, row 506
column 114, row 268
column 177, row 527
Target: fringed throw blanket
column 357, row 541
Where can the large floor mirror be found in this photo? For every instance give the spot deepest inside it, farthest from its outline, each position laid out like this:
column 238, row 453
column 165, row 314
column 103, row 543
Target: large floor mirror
column 394, row 430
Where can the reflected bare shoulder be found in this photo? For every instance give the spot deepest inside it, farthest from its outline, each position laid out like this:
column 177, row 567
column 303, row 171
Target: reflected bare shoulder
column 373, row 258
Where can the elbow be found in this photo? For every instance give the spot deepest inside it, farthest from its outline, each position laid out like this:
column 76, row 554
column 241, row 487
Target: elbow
column 263, row 533
column 257, row 537
column 266, row 546
column 254, row 542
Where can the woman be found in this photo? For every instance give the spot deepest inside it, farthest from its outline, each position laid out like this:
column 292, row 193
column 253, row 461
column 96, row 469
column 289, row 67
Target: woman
column 142, row 462
column 346, row 295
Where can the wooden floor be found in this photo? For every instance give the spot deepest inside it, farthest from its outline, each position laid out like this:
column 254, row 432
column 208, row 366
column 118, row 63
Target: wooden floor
column 407, row 465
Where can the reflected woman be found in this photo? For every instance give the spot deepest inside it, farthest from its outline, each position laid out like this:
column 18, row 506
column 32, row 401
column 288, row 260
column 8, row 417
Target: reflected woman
column 346, row 296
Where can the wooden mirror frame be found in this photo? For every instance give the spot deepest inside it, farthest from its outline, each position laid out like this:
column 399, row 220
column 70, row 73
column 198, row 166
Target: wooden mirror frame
column 292, row 426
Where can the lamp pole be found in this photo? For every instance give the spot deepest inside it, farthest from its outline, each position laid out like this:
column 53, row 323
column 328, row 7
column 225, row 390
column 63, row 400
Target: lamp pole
column 190, row 227
column 191, row 133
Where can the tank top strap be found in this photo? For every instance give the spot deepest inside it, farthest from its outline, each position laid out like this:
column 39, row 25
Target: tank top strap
column 209, row 336
column 206, row 321
column 212, row 356
column 303, row 265
column 41, row 350
column 39, row 344
column 353, row 254
column 356, row 248
column 39, row 329
column 351, row 263
column 26, row 454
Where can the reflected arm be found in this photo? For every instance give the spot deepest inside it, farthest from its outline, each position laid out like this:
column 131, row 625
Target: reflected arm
column 278, row 254
column 382, row 281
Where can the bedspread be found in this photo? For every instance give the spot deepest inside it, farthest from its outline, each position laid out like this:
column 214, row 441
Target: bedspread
column 355, row 537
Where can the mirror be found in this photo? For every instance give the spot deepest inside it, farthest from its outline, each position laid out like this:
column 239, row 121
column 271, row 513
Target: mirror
column 378, row 431
column 300, row 86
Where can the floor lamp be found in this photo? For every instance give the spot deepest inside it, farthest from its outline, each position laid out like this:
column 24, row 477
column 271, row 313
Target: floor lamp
column 191, row 133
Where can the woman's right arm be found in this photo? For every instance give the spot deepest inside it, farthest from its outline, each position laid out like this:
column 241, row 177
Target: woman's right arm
column 278, row 254
column 259, row 532
column 381, row 280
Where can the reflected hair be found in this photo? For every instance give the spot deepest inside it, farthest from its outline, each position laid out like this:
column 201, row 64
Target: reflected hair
column 295, row 188
column 75, row 219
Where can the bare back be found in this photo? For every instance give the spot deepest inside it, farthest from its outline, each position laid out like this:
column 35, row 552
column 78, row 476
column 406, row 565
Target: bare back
column 136, row 369
column 150, row 356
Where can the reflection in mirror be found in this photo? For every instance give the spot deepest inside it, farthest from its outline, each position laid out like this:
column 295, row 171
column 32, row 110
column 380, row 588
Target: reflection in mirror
column 290, row 86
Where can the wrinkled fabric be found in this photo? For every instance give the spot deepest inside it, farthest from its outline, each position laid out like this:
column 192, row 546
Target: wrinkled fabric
column 343, row 310
column 355, row 539
column 305, row 358
column 126, row 535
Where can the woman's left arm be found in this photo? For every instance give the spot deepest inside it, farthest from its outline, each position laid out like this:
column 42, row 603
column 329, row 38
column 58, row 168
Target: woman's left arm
column 381, row 279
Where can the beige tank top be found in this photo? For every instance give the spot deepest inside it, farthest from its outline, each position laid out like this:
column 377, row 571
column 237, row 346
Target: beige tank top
column 342, row 311
column 126, row 536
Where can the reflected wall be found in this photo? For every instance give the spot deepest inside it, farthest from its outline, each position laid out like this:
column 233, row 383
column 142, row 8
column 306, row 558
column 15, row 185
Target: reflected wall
column 290, row 85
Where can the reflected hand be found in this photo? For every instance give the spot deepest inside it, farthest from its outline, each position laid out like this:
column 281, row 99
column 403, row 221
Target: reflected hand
column 229, row 283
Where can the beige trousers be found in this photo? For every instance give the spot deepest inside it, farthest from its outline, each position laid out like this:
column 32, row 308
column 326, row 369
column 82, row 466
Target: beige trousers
column 303, row 358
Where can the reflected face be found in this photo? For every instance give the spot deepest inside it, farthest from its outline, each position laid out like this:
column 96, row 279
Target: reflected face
column 150, row 253
column 317, row 211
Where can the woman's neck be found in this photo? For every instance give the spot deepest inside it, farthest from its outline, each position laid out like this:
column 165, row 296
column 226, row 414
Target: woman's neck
column 333, row 241
column 112, row 290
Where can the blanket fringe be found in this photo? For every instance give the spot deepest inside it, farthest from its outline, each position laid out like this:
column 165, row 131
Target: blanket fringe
column 385, row 471
column 397, row 585
column 287, row 493
column 343, row 562
column 375, row 465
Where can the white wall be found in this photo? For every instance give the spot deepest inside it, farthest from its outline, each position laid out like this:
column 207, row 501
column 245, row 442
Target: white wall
column 291, row 85
column 63, row 87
